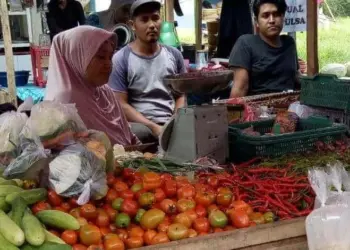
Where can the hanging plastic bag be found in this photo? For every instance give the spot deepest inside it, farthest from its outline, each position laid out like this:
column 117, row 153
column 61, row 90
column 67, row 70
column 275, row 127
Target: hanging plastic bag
column 11, row 124
column 76, row 171
column 55, row 124
column 32, row 158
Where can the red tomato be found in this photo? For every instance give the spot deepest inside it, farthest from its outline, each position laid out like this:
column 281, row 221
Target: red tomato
column 185, row 204
column 186, row 192
column 192, row 214
column 82, row 221
column 166, row 177
column 201, row 211
column 111, row 195
column 183, row 219
column 110, row 179
column 40, row 206
column 205, row 198
column 241, row 205
column 213, row 181
column 151, row 181
column 95, row 247
column 66, row 206
column 148, row 236
column 170, row 188
column 90, row 235
column 79, row 247
column 136, row 231
column 224, row 199
column 120, row 186
column 139, row 193
column 122, row 234
column 160, row 238
column 111, row 212
column 128, row 173
column 127, row 194
column 159, row 194
column 59, row 209
column 54, row 198
column 134, row 242
column 70, row 237
column 102, row 219
column 239, row 218
column 75, row 212
column 201, row 225
column 163, row 226
column 73, row 202
column 168, row 206
column 129, row 207
column 105, row 231
column 192, row 233
column 55, row 233
column 88, row 211
column 114, row 243
column 177, row 231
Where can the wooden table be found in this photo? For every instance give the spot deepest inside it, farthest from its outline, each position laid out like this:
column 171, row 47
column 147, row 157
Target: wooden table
column 284, row 235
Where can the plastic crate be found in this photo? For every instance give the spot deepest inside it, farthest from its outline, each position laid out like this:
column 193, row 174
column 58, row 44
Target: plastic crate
column 335, row 115
column 21, row 78
column 40, row 64
column 244, row 147
column 326, row 91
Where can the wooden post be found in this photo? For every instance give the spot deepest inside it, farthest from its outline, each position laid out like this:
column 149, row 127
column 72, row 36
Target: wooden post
column 169, row 10
column 198, row 23
column 312, row 38
column 6, row 34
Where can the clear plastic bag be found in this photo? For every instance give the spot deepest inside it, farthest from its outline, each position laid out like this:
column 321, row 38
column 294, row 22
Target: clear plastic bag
column 301, row 110
column 76, row 171
column 11, row 125
column 55, row 124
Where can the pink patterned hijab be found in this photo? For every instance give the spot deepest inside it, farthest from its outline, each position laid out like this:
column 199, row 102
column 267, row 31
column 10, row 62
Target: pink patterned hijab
column 70, row 55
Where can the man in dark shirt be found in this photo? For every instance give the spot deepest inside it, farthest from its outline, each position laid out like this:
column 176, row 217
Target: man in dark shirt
column 266, row 62
column 64, row 15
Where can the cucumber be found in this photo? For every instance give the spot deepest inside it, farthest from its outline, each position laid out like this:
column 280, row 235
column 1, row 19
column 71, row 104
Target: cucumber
column 9, row 182
column 10, row 230
column 6, row 245
column 33, row 230
column 47, row 246
column 30, row 196
column 50, row 237
column 19, row 205
column 58, row 219
column 4, row 206
column 9, row 189
column 27, row 247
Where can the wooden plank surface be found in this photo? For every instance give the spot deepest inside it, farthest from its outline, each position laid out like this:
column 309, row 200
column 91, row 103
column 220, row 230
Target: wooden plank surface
column 243, row 238
column 312, row 38
column 298, row 243
column 6, row 34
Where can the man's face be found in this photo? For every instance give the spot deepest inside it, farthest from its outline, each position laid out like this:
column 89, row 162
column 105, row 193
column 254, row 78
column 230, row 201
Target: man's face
column 147, row 26
column 270, row 21
column 62, row 4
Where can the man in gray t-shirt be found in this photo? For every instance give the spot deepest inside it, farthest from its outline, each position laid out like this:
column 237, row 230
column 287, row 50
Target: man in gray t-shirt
column 138, row 72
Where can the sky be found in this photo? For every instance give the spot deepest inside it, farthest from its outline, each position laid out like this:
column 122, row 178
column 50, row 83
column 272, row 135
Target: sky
column 186, row 21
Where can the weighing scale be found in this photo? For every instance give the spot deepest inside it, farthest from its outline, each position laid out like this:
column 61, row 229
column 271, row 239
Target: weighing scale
column 197, row 131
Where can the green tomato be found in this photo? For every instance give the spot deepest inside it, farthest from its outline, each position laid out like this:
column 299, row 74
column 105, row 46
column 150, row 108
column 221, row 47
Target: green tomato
column 122, row 220
column 139, row 214
column 136, row 187
column 117, row 204
column 218, row 218
column 269, row 217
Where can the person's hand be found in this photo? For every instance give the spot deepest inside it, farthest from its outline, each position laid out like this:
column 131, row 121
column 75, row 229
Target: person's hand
column 156, row 130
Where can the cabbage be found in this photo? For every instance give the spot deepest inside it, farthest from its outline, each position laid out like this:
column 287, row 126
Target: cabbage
column 335, row 69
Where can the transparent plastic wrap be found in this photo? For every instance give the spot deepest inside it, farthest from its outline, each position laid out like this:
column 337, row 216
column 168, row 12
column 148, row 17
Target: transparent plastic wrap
column 301, row 110
column 32, row 158
column 11, row 125
column 55, row 124
column 76, row 171
column 328, row 225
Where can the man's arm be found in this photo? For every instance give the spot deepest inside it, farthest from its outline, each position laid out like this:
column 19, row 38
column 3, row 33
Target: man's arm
column 181, row 68
column 241, row 83
column 240, row 61
column 81, row 14
column 133, row 115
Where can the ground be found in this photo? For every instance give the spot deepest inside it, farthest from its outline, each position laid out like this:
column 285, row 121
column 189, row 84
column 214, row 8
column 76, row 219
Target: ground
column 333, row 47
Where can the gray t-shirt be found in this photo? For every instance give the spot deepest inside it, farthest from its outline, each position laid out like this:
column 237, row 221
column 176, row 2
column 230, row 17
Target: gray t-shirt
column 270, row 69
column 142, row 79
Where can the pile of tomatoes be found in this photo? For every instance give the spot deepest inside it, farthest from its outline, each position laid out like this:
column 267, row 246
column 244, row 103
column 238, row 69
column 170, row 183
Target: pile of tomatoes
column 149, row 208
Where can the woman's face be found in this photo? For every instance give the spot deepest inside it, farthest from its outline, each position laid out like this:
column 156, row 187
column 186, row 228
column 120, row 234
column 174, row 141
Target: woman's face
column 100, row 67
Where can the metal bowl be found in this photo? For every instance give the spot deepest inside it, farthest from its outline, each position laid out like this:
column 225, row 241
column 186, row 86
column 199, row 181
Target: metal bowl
column 202, row 82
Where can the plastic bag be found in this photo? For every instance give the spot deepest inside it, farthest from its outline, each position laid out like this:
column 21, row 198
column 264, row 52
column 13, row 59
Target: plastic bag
column 347, row 65
column 11, row 125
column 78, row 172
column 55, row 124
column 301, row 110
column 32, row 158
column 335, row 69
column 27, row 105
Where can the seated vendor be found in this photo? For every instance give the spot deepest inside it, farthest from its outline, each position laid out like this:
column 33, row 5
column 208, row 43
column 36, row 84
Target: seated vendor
column 79, row 67
column 138, row 72
column 266, row 62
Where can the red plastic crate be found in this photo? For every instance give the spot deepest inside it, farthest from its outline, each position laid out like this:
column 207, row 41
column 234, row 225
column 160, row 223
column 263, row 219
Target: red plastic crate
column 40, row 62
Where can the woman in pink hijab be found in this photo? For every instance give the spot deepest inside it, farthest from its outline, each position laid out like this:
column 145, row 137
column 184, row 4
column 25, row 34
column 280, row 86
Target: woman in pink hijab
column 79, row 68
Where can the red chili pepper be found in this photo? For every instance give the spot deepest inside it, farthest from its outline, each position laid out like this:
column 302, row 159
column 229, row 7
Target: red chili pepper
column 304, row 185
column 287, row 204
column 247, row 163
column 265, row 170
column 277, row 204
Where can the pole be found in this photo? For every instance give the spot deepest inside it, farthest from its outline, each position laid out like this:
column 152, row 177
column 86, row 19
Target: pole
column 169, row 10
column 312, row 35
column 6, row 33
column 198, row 23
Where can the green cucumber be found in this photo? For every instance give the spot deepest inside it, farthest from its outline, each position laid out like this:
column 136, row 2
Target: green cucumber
column 9, row 182
column 10, row 230
column 9, row 189
column 6, row 245
column 30, row 196
column 33, row 230
column 58, row 219
column 50, row 237
column 4, row 206
column 19, row 206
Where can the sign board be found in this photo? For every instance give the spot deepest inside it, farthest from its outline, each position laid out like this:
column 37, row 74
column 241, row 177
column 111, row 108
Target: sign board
column 295, row 18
